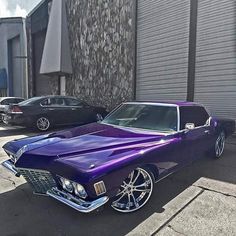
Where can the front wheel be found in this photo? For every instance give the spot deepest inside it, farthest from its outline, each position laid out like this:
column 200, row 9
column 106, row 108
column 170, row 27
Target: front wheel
column 134, row 192
column 219, row 145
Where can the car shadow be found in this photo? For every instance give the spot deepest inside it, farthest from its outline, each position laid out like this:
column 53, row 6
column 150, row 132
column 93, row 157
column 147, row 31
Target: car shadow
column 23, row 213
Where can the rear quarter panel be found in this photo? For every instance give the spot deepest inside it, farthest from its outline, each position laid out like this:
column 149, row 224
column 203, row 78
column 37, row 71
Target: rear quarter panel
column 228, row 125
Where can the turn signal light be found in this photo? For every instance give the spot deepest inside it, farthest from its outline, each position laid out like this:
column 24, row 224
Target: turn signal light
column 99, row 188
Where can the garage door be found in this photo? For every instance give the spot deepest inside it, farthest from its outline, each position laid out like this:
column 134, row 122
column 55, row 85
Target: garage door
column 162, row 49
column 215, row 81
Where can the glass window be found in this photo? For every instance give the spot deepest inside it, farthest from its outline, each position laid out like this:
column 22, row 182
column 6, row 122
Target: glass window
column 193, row 114
column 53, row 102
column 150, row 117
column 8, row 101
column 73, row 102
column 17, row 100
column 57, row 102
column 30, row 101
column 46, row 102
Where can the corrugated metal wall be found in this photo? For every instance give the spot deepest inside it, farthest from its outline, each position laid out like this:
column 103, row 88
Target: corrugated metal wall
column 162, row 49
column 215, row 79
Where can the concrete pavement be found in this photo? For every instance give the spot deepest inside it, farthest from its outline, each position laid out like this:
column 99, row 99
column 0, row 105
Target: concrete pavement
column 198, row 200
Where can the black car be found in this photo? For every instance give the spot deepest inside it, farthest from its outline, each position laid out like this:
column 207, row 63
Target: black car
column 47, row 111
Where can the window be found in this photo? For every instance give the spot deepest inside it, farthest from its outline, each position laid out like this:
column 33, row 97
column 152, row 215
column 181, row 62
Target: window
column 194, row 114
column 58, row 102
column 150, row 117
column 8, row 101
column 53, row 102
column 17, row 100
column 73, row 102
column 46, row 102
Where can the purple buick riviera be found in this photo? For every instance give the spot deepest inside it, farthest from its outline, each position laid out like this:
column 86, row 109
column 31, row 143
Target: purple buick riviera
column 120, row 158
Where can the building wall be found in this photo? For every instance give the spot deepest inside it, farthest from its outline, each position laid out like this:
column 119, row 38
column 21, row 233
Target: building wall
column 11, row 29
column 102, row 36
column 37, row 22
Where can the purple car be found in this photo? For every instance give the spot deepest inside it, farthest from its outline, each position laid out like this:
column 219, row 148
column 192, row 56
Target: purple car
column 120, row 158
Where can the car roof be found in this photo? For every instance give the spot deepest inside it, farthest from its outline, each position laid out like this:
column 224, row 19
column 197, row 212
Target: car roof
column 3, row 98
column 174, row 103
column 56, row 96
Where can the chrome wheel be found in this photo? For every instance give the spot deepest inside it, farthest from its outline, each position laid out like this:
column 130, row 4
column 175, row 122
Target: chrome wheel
column 43, row 124
column 134, row 192
column 220, row 144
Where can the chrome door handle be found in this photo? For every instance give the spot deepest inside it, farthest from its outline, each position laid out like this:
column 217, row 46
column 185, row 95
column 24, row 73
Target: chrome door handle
column 51, row 109
column 73, row 109
column 207, row 132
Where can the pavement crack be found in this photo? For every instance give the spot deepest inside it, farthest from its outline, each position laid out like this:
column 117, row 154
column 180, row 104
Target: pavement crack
column 178, row 232
column 8, row 179
column 180, row 210
column 214, row 191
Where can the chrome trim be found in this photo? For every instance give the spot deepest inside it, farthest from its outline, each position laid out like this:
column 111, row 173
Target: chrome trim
column 40, row 181
column 10, row 166
column 76, row 203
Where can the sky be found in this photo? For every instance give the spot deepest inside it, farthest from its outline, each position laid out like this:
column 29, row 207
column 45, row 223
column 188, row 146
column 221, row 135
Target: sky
column 10, row 8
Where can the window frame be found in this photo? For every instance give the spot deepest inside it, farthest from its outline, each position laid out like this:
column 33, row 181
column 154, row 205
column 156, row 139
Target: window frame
column 153, row 104
column 207, row 123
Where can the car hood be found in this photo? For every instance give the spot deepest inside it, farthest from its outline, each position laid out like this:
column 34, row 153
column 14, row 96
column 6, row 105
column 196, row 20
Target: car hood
column 84, row 147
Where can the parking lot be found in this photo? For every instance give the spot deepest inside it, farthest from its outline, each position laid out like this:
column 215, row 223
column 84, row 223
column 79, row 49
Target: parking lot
column 199, row 200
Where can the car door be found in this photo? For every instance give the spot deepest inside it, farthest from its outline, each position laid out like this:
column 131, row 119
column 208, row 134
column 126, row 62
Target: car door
column 197, row 139
column 79, row 111
column 56, row 110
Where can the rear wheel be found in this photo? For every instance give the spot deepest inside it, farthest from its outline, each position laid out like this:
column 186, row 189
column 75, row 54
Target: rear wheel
column 134, row 192
column 43, row 124
column 219, row 145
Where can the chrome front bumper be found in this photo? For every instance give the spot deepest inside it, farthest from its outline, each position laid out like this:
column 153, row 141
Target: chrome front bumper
column 64, row 197
column 9, row 165
column 77, row 203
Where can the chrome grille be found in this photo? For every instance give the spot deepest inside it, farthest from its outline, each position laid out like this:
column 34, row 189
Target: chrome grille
column 40, row 180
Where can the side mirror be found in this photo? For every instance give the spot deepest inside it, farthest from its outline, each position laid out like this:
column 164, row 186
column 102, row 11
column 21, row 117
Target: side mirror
column 190, row 126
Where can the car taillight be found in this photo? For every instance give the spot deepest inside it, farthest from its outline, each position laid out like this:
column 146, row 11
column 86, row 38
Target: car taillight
column 16, row 109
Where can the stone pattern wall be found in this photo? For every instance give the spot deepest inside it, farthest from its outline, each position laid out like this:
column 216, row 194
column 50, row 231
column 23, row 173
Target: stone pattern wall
column 102, row 36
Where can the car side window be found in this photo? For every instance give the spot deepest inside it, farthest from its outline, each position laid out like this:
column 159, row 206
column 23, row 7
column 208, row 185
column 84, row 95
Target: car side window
column 8, row 101
column 58, row 102
column 194, row 114
column 73, row 102
column 18, row 100
column 46, row 102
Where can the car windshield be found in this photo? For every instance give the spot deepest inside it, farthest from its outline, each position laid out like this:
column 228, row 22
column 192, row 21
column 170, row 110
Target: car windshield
column 144, row 116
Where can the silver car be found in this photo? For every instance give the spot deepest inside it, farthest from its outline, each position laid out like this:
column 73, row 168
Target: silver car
column 6, row 101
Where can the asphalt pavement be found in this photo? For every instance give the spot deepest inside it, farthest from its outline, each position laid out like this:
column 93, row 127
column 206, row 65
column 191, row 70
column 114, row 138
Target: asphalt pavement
column 198, row 200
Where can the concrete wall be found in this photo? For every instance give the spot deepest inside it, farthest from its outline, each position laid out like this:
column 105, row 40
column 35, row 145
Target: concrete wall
column 102, row 41
column 37, row 22
column 11, row 28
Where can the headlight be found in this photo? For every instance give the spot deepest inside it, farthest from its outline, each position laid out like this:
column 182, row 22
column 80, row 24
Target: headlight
column 71, row 187
column 79, row 190
column 67, row 185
